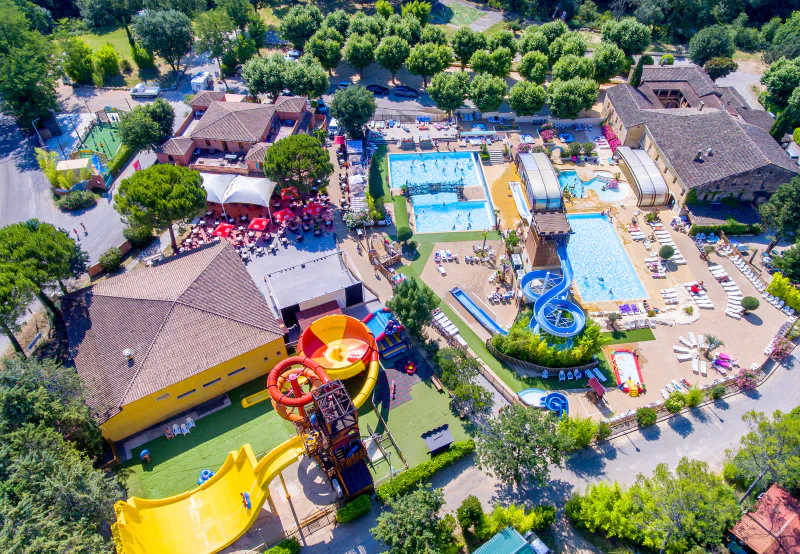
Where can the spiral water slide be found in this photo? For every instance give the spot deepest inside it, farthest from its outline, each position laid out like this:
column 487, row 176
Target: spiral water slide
column 552, row 312
column 211, row 517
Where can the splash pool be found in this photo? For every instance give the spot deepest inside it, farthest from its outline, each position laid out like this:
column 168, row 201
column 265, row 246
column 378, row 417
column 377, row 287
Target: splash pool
column 601, row 266
column 569, row 180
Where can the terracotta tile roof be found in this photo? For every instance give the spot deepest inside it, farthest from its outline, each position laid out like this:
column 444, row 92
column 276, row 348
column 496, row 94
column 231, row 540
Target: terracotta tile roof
column 205, row 97
column 176, row 146
column 257, row 152
column 774, row 526
column 181, row 317
column 291, row 104
column 234, row 122
column 662, row 76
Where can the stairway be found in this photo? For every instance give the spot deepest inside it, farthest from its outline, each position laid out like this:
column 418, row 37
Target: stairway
column 496, row 156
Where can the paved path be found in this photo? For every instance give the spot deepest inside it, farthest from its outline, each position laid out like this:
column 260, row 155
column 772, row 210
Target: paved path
column 702, row 434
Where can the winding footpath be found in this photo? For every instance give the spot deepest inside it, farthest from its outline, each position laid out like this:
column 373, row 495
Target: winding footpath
column 703, row 434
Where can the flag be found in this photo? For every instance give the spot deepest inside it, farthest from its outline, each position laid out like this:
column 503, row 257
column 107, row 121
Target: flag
column 137, row 165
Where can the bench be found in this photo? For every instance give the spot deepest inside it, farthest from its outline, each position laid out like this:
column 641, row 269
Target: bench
column 437, row 383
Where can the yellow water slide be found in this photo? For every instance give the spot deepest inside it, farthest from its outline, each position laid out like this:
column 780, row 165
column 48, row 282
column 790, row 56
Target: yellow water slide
column 209, row 517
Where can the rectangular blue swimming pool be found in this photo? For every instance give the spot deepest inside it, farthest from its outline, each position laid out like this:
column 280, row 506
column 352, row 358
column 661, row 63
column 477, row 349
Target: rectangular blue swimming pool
column 603, row 271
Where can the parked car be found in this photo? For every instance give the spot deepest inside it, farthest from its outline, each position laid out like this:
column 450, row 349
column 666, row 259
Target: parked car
column 142, row 90
column 343, row 84
column 321, row 107
column 378, row 90
column 478, row 127
column 288, row 122
column 406, row 91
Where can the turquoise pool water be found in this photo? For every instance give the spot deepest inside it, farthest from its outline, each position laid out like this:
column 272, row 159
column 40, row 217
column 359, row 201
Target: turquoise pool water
column 441, row 212
column 596, row 252
column 571, row 181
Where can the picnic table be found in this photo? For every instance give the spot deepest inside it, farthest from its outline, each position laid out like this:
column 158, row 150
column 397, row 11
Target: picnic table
column 438, row 439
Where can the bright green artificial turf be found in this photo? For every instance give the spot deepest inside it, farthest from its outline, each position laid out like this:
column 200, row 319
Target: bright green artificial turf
column 635, row 335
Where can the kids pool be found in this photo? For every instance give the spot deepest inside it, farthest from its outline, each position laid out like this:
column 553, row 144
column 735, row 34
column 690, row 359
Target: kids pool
column 569, row 180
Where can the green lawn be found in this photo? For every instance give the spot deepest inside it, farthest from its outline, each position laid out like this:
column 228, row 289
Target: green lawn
column 176, row 464
column 119, row 40
column 635, row 335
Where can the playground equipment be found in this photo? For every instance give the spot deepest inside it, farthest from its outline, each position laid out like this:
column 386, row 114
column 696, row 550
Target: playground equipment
column 539, row 398
column 553, row 313
column 477, row 312
column 308, row 388
column 627, row 371
column 388, row 333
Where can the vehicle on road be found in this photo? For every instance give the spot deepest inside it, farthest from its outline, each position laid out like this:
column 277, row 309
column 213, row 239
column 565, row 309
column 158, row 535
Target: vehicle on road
column 321, row 107
column 406, row 91
column 143, row 90
column 202, row 81
column 378, row 90
column 292, row 55
column 343, row 84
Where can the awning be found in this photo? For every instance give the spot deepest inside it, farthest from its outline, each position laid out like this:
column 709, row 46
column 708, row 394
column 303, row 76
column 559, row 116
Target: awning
column 355, row 179
column 596, row 386
column 215, row 186
column 222, row 230
column 258, row 224
column 249, row 190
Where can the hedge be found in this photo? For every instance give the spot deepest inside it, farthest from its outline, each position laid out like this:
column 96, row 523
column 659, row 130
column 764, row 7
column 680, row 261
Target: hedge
column 124, row 154
column 731, row 227
column 286, row 546
column 785, row 290
column 354, row 510
column 409, row 479
column 76, row 200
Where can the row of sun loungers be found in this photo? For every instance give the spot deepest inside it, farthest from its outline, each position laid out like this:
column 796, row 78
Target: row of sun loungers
column 751, row 275
column 702, row 299
column 569, row 375
column 445, row 256
column 669, row 295
column 640, row 324
column 665, row 239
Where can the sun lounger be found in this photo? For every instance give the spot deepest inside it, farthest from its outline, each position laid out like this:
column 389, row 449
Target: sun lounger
column 695, row 365
column 684, row 357
column 667, row 291
column 692, row 340
column 685, row 342
column 677, row 385
column 589, row 373
column 599, row 375
column 664, row 394
column 701, row 341
column 680, row 349
column 669, row 387
column 734, row 315
column 703, row 368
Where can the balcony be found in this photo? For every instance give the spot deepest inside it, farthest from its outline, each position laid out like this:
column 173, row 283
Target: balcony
column 220, row 162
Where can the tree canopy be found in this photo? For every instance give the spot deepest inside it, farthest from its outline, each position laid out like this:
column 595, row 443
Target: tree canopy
column 359, row 51
column 533, row 40
column 519, row 446
column 720, row 67
column 459, row 373
column 392, row 53
column 16, row 293
column 788, row 263
column 608, row 59
column 266, row 75
column 363, row 24
column 630, row 35
column 465, row 43
column 306, row 77
column 781, row 79
column 781, row 214
column 326, row 46
column 146, row 126
column 413, row 303
column 496, row 62
column 569, row 67
column 488, row 92
column 419, row 9
column 711, row 42
column 353, row 107
column 412, row 525
column 566, row 44
column 428, row 59
column 299, row 24
column 168, row 34
column 533, row 67
column 526, row 98
column 448, row 90
column 407, row 27
column 569, row 98
column 214, row 29
column 297, row 161
column 160, row 196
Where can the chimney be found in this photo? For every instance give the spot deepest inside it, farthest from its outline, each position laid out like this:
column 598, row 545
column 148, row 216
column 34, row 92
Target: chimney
column 700, row 109
column 699, row 156
column 709, row 152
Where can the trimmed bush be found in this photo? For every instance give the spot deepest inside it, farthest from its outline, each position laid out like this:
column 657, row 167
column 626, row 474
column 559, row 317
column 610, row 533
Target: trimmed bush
column 470, row 512
column 138, row 236
column 603, row 431
column 514, row 516
column 666, row 252
column 694, row 397
column 675, row 403
column 111, row 259
column 785, row 290
column 77, row 200
column 286, row 546
column 123, row 155
column 646, row 417
column 717, row 391
column 409, row 479
column 354, row 510
column 750, row 303
column 731, row 227
column 667, row 59
column 404, row 234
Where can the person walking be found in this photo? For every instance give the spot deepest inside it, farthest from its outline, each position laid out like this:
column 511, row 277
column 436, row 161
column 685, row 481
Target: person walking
column 77, row 234
column 84, row 228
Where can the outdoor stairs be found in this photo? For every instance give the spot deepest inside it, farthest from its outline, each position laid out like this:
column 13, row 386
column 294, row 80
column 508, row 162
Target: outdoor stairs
column 496, row 156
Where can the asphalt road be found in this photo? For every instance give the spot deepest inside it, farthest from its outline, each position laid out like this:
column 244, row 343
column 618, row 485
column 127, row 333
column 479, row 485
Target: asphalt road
column 702, row 434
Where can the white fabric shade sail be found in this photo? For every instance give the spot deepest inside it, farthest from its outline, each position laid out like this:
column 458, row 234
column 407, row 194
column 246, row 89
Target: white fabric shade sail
column 239, row 189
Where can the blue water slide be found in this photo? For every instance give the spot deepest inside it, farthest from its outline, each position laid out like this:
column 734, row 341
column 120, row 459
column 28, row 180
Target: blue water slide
column 557, row 402
column 552, row 312
column 477, row 312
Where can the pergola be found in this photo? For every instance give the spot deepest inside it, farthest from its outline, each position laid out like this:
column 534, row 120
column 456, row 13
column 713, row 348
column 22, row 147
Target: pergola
column 238, row 189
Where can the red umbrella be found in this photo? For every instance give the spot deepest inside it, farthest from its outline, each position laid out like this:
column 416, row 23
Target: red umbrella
column 596, row 386
column 338, row 139
column 289, row 192
column 223, row 230
column 284, row 215
column 313, row 209
column 258, row 224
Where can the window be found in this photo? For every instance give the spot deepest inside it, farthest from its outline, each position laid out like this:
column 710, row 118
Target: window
column 187, row 394
column 162, row 397
column 214, row 382
column 232, row 373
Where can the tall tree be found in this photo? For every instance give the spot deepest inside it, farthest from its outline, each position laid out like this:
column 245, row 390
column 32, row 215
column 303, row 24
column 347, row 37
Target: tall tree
column 241, row 12
column 770, row 448
column 715, row 41
column 691, row 506
column 326, row 46
column 384, row 9
column 359, row 51
column 392, row 53
column 339, row 20
column 565, row 45
column 788, row 263
column 608, row 59
column 297, row 161
column 569, row 67
column 533, row 40
column 214, row 29
column 497, row 62
column 419, row 9
column 413, row 526
column 519, row 446
column 526, row 98
column 306, row 77
column 16, row 293
column 299, row 24
column 77, row 62
column 412, row 303
column 266, row 75
column 720, row 67
column 432, row 33
column 408, row 28
column 781, row 214
column 168, row 34
column 160, row 196
column 503, row 39
column 781, row 79
column 533, row 67
column 488, row 92
column 459, row 373
column 465, row 43
column 429, row 59
column 630, row 35
column 569, row 98
column 448, row 90
column 148, row 125
column 553, row 29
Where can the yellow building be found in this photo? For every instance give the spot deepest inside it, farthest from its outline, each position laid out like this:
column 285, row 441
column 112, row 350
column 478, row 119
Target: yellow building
column 158, row 341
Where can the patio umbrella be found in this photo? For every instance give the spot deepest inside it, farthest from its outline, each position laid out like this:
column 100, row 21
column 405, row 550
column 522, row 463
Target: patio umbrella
column 223, row 230
column 284, row 215
column 258, row 224
column 289, row 192
column 338, row 139
column 313, row 209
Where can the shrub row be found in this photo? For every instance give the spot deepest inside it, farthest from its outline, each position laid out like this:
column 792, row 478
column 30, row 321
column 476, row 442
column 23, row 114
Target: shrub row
column 286, row 546
column 354, row 510
column 124, row 154
column 731, row 227
column 785, row 290
column 76, row 200
column 409, row 479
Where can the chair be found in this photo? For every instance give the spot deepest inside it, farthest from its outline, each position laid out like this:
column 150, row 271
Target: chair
column 578, row 374
column 168, row 433
column 562, row 376
column 545, row 374
column 190, row 422
column 184, row 429
column 176, row 430
column 570, row 376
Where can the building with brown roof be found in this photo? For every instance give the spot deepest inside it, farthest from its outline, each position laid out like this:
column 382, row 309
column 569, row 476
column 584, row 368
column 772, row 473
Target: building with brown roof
column 155, row 342
column 224, row 123
column 772, row 527
column 703, row 137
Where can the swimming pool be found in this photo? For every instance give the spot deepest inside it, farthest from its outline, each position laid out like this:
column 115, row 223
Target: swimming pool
column 578, row 187
column 442, row 211
column 600, row 263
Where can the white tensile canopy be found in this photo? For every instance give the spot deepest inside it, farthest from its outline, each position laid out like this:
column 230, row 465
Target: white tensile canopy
column 239, row 189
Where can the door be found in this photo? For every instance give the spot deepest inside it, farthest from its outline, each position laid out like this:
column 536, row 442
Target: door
column 224, row 146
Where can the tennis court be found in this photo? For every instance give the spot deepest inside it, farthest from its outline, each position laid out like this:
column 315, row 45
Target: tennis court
column 103, row 137
column 455, row 14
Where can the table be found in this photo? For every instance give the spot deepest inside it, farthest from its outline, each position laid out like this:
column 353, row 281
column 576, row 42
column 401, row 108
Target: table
column 231, row 157
column 438, row 439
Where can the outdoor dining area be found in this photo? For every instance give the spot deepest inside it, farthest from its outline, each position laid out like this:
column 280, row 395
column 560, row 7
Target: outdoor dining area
column 257, row 229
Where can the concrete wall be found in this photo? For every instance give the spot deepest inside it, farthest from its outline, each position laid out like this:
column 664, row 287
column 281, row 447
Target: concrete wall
column 165, row 403
column 540, row 254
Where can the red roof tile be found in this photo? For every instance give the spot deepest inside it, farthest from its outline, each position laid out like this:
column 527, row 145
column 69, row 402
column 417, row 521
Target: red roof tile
column 774, row 526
